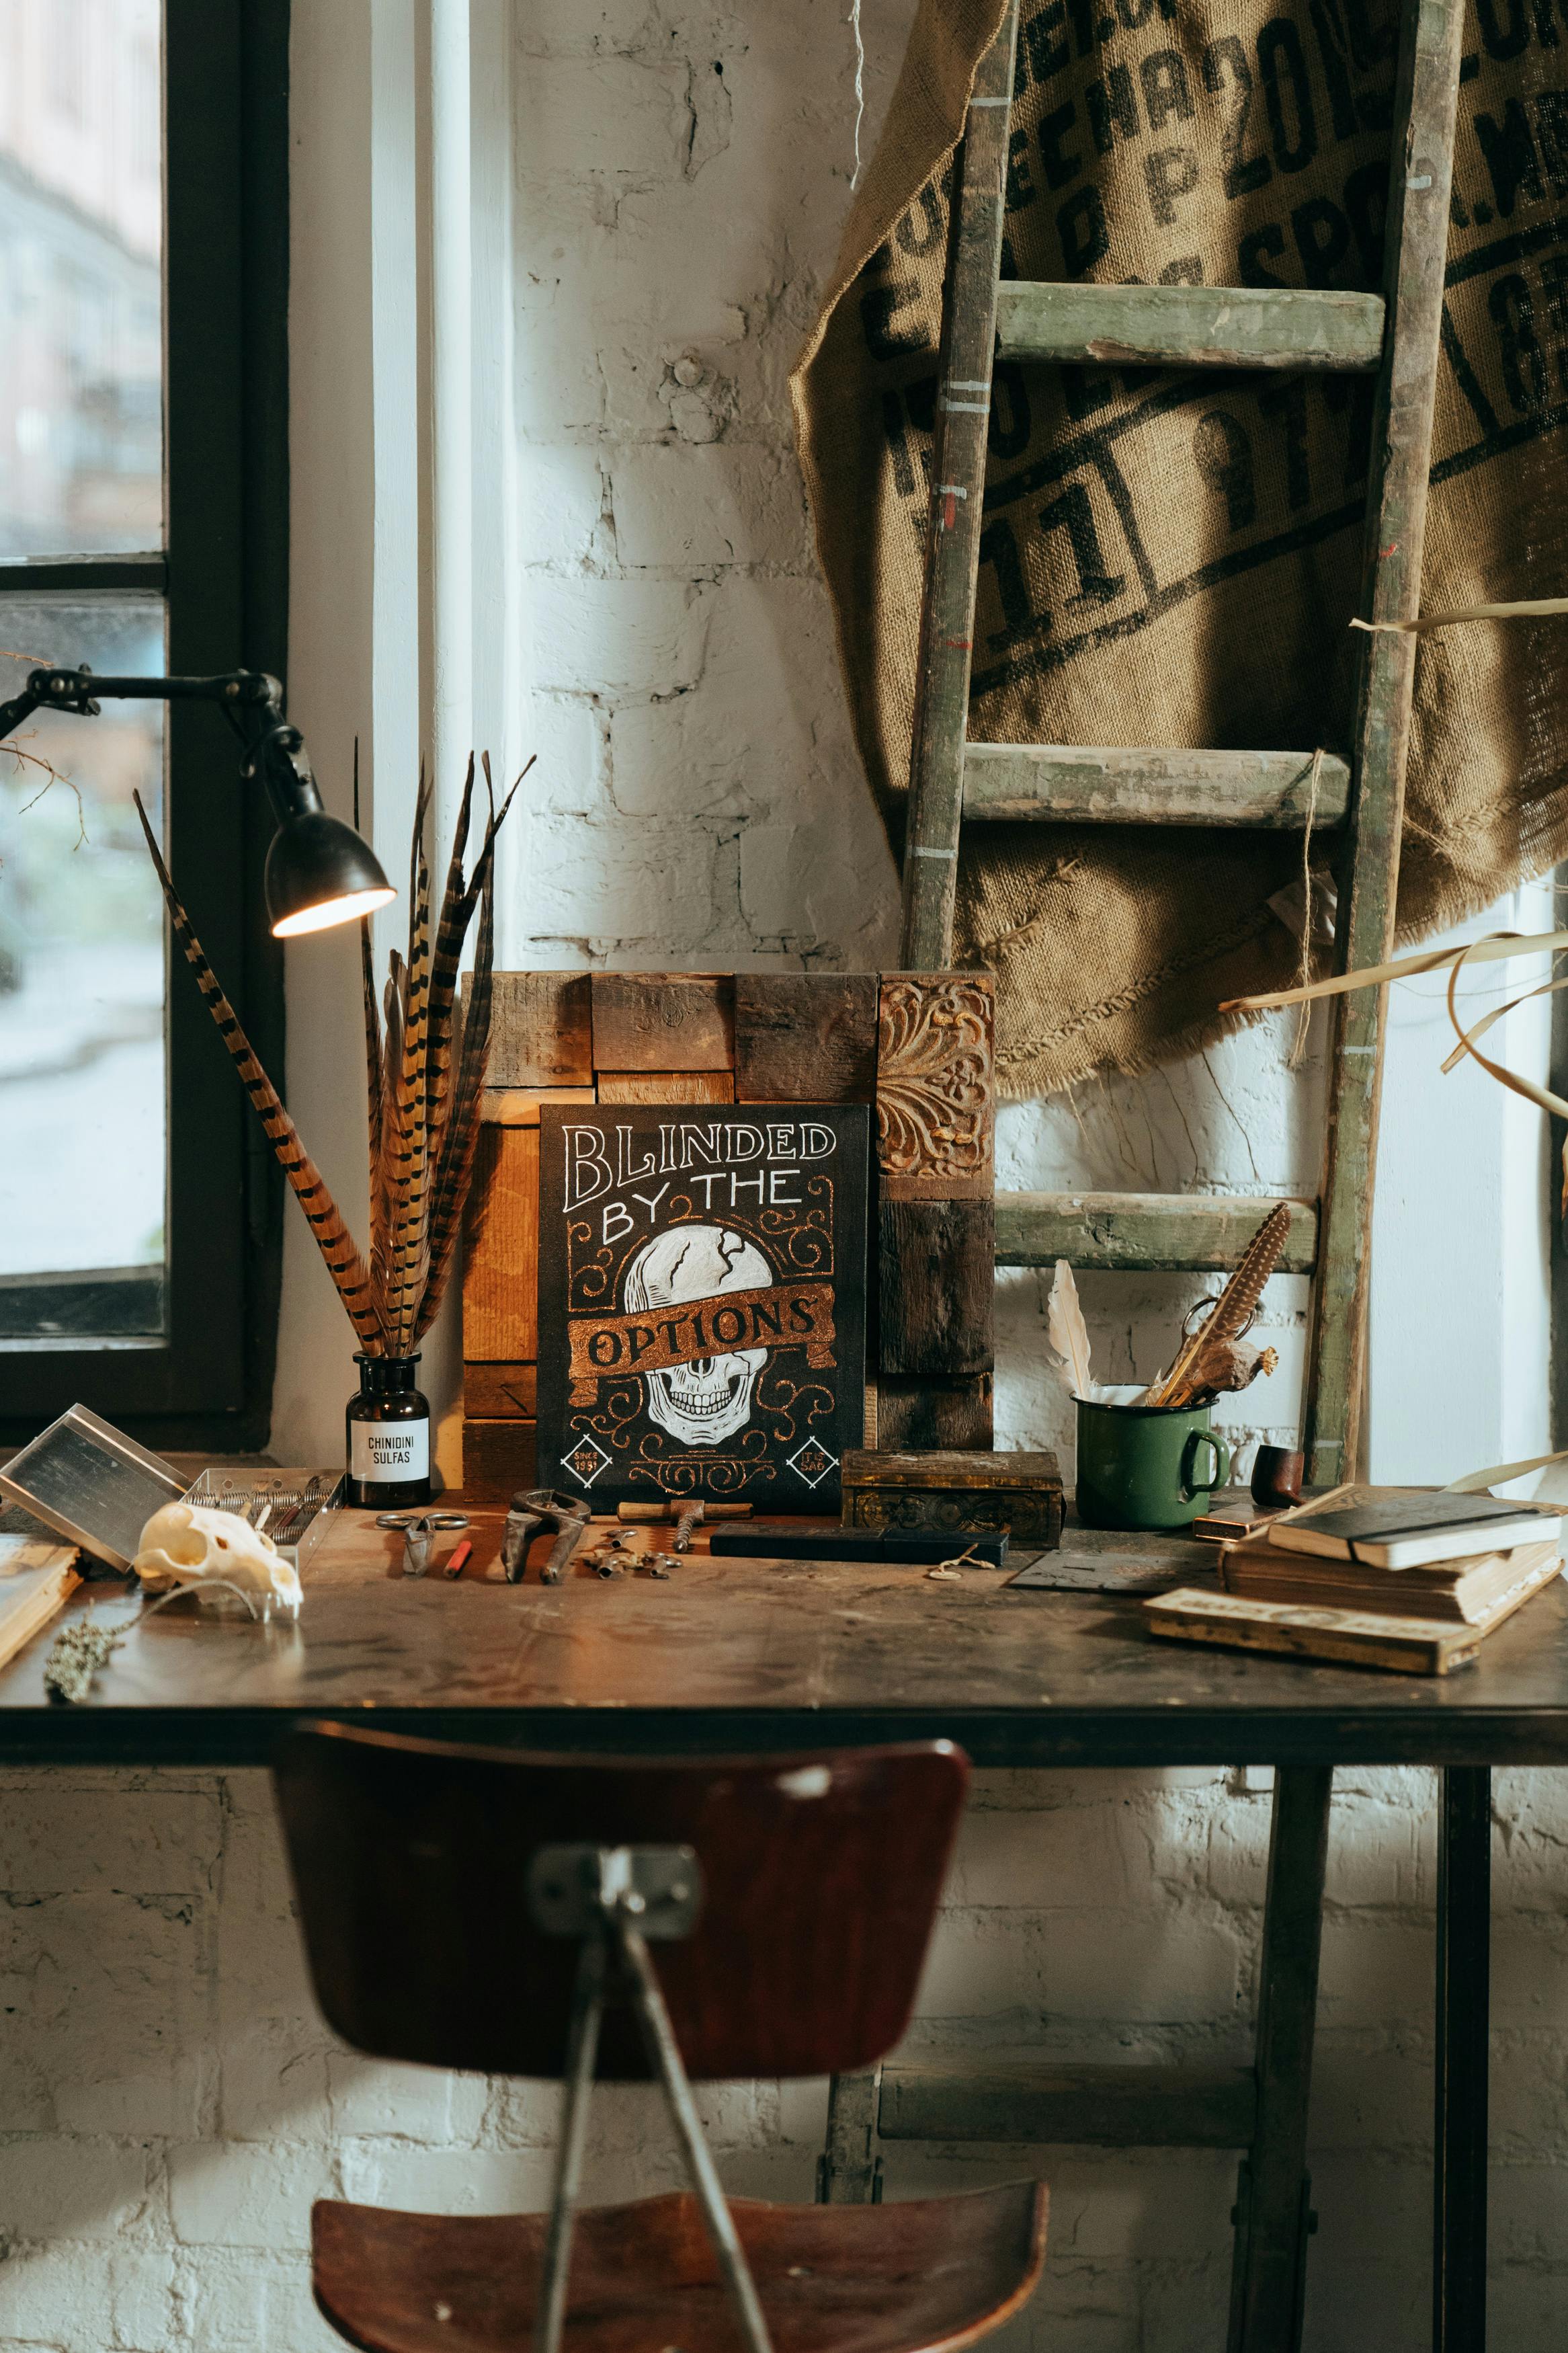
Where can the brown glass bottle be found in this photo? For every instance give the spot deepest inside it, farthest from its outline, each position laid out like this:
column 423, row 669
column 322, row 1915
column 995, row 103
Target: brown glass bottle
column 388, row 1437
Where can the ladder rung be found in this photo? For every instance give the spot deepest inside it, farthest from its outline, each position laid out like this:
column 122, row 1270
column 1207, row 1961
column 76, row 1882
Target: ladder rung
column 1114, row 2106
column 1189, row 326
column 1072, row 783
column 1176, row 1232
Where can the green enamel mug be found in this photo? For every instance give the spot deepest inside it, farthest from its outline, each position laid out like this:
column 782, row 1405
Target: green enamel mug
column 1146, row 1466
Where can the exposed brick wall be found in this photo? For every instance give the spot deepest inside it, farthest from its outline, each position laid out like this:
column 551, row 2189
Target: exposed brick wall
column 170, row 2102
column 681, row 173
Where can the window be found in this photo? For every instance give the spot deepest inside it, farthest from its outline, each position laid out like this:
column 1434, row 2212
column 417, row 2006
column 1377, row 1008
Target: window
column 143, row 514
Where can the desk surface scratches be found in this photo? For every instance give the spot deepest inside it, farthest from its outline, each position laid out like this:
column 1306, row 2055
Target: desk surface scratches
column 743, row 1654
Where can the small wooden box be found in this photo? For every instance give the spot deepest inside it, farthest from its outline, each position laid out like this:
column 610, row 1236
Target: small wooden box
column 956, row 1493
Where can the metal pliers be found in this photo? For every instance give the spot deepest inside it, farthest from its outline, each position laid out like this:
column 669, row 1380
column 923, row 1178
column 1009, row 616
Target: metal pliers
column 542, row 1507
column 419, row 1535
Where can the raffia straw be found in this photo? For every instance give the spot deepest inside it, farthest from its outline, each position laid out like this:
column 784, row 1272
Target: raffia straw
column 1536, row 609
column 1497, row 1474
column 1517, row 1084
column 1492, row 949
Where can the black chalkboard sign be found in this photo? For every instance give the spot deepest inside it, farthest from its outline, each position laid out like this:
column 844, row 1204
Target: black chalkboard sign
column 703, row 1276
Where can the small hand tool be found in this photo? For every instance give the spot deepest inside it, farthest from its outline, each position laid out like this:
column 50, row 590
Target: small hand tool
column 458, row 1559
column 609, row 1556
column 531, row 1510
column 419, row 1534
column 687, row 1516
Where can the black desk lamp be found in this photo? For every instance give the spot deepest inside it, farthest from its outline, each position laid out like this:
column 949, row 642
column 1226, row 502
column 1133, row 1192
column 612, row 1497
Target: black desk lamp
column 319, row 871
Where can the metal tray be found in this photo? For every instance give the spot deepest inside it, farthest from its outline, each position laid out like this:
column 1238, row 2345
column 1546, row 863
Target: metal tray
column 302, row 1502
column 91, row 1484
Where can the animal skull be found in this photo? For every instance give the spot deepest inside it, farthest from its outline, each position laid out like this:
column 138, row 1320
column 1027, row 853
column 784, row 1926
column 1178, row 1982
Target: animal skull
column 188, row 1544
column 706, row 1402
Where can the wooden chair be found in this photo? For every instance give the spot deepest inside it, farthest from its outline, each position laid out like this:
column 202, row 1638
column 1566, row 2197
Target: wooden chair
column 482, row 1908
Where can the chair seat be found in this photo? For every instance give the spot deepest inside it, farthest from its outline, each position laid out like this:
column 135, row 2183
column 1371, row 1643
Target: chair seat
column 933, row 2272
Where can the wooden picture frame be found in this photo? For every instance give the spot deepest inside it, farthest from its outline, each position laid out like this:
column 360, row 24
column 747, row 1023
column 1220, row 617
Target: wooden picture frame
column 919, row 1047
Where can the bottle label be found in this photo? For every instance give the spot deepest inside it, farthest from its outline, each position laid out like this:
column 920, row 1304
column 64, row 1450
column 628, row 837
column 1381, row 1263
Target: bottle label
column 389, row 1452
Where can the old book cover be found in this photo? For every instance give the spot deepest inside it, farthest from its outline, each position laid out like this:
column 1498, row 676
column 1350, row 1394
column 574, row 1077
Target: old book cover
column 1355, row 1638
column 702, row 1279
column 1466, row 1591
column 1404, row 1527
column 31, row 1596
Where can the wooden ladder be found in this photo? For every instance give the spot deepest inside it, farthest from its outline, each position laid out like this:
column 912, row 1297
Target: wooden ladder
column 949, row 777
column 1260, row 2110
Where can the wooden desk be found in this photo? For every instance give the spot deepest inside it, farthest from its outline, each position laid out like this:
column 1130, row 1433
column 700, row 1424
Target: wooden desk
column 753, row 1655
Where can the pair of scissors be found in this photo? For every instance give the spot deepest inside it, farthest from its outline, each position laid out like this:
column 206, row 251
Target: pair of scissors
column 419, row 1534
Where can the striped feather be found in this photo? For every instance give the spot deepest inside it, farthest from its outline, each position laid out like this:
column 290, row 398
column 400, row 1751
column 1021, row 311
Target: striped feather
column 333, row 1239
column 456, row 908
column 408, row 1206
column 461, row 1140
column 371, row 1051
column 390, row 1164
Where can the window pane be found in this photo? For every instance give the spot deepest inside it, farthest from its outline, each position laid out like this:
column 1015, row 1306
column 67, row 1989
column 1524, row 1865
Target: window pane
column 81, row 438
column 82, row 1118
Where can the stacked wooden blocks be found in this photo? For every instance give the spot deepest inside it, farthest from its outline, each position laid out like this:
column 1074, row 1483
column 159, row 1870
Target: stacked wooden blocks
column 917, row 1045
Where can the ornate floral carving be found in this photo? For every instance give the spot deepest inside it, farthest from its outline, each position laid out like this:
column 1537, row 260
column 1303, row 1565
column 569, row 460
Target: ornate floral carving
column 935, row 1080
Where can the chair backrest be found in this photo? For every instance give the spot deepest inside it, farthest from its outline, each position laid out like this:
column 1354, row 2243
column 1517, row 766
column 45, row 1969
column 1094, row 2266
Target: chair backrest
column 822, row 1875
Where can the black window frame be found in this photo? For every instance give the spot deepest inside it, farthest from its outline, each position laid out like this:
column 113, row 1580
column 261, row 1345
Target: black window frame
column 224, row 574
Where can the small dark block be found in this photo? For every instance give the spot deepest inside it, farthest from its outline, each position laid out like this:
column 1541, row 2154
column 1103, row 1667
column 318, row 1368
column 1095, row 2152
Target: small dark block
column 497, row 1459
column 915, row 1416
column 663, row 1021
column 781, row 1540
column 540, row 1034
column 805, row 1037
column 938, row 1275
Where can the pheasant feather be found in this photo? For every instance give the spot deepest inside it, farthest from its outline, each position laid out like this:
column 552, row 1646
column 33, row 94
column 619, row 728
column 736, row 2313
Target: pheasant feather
column 423, row 1112
column 406, row 1249
column 1233, row 1312
column 336, row 1244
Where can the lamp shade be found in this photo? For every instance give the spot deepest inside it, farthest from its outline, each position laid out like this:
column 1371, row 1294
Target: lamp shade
column 319, row 872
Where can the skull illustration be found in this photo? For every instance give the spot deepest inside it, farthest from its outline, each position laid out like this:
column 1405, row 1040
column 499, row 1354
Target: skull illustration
column 187, row 1543
column 706, row 1402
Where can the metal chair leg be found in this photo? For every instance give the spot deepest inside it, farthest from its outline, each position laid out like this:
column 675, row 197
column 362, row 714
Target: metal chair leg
column 654, row 2020
column 1464, row 1967
column 1273, row 2214
column 577, row 2090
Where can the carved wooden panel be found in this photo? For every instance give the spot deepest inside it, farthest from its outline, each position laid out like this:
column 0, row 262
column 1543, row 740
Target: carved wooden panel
column 936, row 1086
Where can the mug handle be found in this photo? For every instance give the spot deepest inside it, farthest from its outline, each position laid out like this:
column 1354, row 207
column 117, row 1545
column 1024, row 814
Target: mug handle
column 1192, row 1486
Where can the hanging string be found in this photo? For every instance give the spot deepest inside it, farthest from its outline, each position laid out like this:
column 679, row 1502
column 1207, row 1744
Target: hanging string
column 859, row 84
column 1304, row 1013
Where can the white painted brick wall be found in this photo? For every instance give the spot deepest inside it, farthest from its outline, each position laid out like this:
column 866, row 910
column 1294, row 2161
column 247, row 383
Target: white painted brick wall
column 169, row 2101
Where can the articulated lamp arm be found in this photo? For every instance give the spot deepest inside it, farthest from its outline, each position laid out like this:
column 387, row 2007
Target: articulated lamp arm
column 318, row 870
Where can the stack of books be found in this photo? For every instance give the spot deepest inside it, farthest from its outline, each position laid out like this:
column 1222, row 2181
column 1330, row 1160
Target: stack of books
column 1385, row 1577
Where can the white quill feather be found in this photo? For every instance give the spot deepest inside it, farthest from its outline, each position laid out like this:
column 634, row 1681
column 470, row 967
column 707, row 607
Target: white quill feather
column 1069, row 1334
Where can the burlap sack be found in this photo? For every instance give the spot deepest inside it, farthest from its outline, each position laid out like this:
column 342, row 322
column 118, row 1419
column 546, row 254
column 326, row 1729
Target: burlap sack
column 1173, row 558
